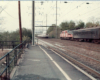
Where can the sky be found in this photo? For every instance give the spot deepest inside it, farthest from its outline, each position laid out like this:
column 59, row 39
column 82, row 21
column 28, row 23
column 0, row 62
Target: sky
column 72, row 10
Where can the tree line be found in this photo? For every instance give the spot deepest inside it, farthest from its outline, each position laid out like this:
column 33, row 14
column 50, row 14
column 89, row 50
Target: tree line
column 70, row 25
column 14, row 36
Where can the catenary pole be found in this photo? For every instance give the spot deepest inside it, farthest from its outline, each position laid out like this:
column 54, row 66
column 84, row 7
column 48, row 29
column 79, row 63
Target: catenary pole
column 46, row 22
column 20, row 29
column 56, row 19
column 33, row 21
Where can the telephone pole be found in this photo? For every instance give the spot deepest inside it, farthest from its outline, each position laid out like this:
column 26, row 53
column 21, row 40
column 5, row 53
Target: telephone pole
column 33, row 21
column 46, row 22
column 56, row 19
column 20, row 29
column 42, row 26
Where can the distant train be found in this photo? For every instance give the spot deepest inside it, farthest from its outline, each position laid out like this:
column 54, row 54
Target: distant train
column 86, row 34
column 43, row 36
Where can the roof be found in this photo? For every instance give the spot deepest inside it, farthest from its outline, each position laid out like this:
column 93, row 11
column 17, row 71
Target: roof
column 88, row 28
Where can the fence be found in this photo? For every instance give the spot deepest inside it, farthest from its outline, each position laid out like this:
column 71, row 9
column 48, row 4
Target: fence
column 9, row 61
column 9, row 44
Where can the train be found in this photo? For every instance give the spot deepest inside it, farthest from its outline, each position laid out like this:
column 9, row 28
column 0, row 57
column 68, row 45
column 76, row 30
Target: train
column 43, row 35
column 85, row 34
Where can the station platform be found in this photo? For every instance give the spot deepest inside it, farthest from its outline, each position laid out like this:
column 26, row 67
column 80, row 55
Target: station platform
column 36, row 64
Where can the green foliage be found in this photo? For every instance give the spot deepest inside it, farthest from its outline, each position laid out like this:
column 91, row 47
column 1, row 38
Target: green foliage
column 71, row 25
column 27, row 32
column 26, row 38
column 79, row 25
column 14, row 36
column 64, row 25
column 52, row 31
column 67, row 25
column 51, row 28
column 91, row 24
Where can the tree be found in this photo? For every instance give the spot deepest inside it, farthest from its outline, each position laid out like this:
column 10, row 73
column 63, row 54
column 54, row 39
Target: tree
column 64, row 25
column 97, row 23
column 52, row 31
column 27, row 32
column 93, row 22
column 80, row 25
column 51, row 28
column 71, row 25
column 14, row 36
column 4, row 36
column 26, row 38
column 89, row 24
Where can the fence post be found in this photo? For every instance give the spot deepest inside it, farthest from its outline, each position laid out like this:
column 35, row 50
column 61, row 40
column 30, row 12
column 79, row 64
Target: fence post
column 7, row 76
column 15, row 59
column 9, row 44
column 6, row 65
column 13, row 44
column 37, row 41
column 2, row 46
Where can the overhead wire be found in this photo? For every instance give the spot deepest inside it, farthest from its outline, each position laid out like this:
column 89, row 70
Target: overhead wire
column 48, row 10
column 42, row 13
column 10, row 15
column 4, row 7
column 91, row 16
column 88, row 12
column 65, row 9
column 70, row 11
column 46, row 13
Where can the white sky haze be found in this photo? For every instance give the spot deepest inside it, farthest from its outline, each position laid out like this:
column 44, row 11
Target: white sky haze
column 72, row 10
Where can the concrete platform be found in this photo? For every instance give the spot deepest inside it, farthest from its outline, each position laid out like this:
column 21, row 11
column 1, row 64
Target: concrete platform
column 36, row 65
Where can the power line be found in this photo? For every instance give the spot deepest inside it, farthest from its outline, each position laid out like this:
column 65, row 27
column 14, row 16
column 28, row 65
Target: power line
column 70, row 11
column 88, row 11
column 91, row 16
column 47, row 13
column 10, row 15
column 4, row 7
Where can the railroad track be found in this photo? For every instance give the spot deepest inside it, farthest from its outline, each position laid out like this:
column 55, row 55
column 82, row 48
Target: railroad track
column 82, row 58
column 73, row 59
column 86, row 48
column 85, row 45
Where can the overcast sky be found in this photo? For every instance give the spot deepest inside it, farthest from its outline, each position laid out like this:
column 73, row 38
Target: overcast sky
column 72, row 10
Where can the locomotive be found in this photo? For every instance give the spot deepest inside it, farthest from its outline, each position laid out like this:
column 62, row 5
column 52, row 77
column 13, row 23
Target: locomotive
column 86, row 34
column 66, row 34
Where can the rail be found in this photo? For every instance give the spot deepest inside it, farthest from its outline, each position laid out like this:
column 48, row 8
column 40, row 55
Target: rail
column 9, row 61
column 61, row 52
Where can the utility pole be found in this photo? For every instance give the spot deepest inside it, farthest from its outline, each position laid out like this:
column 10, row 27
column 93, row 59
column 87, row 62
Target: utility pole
column 46, row 22
column 33, row 21
column 56, row 19
column 42, row 26
column 20, row 29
